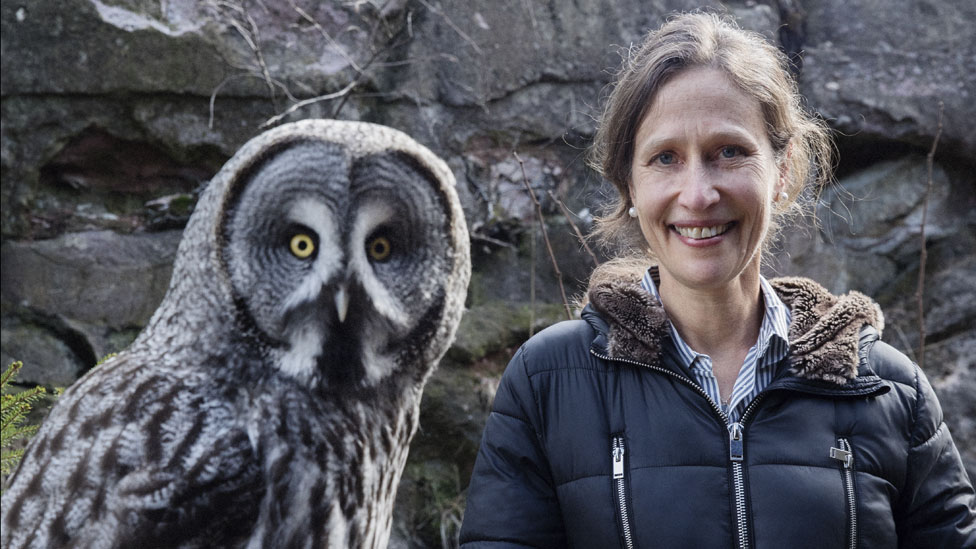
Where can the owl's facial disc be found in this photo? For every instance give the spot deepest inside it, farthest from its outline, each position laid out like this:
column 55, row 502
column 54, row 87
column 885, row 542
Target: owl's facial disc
column 339, row 263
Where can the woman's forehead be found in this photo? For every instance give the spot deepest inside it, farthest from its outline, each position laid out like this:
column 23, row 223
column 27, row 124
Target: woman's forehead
column 701, row 101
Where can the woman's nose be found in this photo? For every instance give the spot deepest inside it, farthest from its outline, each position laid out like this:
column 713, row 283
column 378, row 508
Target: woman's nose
column 698, row 188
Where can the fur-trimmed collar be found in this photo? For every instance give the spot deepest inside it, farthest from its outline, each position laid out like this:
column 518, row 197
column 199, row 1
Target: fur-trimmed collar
column 824, row 330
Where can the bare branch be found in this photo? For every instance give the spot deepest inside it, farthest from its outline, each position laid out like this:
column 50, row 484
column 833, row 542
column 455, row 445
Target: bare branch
column 258, row 54
column 477, row 237
column 216, row 90
column 532, row 263
column 579, row 235
column 453, row 26
column 923, row 255
column 545, row 236
column 213, row 95
column 326, row 35
column 305, row 102
column 390, row 45
column 251, row 37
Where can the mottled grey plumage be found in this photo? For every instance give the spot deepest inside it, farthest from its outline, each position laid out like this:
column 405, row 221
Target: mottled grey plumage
column 271, row 399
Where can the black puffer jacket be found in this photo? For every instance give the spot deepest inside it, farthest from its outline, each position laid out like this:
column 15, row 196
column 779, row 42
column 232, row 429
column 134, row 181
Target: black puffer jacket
column 599, row 438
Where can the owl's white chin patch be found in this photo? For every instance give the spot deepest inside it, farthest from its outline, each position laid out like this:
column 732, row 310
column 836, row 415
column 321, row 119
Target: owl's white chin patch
column 301, row 359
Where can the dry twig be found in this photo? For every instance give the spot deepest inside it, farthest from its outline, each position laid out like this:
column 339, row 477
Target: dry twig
column 252, row 38
column 390, row 45
column 545, row 236
column 305, row 102
column 227, row 80
column 579, row 235
column 923, row 255
column 532, row 248
column 453, row 26
column 328, row 37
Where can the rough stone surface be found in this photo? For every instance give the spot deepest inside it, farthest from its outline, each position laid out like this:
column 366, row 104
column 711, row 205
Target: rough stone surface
column 96, row 277
column 879, row 209
column 880, row 68
column 48, row 359
column 116, row 112
column 499, row 324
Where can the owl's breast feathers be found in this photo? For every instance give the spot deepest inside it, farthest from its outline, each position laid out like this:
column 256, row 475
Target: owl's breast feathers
column 136, row 456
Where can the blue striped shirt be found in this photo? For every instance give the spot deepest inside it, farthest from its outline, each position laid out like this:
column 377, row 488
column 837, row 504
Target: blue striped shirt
column 758, row 368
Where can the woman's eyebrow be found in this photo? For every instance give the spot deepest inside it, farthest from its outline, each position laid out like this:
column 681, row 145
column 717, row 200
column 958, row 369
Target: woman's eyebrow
column 730, row 134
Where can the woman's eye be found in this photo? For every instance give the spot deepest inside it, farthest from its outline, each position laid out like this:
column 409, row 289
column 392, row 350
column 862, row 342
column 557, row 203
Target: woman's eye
column 666, row 158
column 379, row 248
column 302, row 246
column 730, row 151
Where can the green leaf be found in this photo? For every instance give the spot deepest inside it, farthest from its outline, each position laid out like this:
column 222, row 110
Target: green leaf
column 14, row 408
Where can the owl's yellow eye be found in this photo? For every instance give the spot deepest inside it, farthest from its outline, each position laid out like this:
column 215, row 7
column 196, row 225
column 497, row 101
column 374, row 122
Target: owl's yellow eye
column 379, row 248
column 302, row 245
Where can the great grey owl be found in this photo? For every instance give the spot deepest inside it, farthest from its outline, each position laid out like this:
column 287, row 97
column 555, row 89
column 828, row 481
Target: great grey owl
column 270, row 400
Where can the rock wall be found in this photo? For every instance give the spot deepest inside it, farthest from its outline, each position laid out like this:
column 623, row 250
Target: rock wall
column 116, row 112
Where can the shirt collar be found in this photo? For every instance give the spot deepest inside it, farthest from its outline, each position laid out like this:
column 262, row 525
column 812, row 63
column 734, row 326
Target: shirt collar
column 776, row 318
column 775, row 323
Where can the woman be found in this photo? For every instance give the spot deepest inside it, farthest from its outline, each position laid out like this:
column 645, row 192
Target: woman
column 697, row 404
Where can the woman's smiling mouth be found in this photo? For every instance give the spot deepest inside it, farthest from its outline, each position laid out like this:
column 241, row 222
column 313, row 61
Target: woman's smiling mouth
column 701, row 233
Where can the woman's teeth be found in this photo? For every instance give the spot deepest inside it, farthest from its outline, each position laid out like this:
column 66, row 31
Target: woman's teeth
column 699, row 233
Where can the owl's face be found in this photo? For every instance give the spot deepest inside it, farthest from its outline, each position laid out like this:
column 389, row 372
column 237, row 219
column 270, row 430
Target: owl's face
column 338, row 261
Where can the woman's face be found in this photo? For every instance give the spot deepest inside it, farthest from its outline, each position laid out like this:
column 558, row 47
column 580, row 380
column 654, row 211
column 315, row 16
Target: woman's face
column 702, row 181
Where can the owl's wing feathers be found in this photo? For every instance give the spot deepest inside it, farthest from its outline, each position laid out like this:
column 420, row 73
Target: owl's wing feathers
column 150, row 458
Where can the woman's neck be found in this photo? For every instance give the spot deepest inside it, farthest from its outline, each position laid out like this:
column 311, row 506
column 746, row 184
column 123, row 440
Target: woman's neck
column 720, row 322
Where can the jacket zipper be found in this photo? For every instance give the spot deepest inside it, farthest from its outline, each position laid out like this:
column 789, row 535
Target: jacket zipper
column 738, row 484
column 845, row 455
column 620, row 489
column 736, row 454
column 736, row 442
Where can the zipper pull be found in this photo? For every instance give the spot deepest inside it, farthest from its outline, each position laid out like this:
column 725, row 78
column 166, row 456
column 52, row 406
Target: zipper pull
column 735, row 442
column 842, row 455
column 618, row 458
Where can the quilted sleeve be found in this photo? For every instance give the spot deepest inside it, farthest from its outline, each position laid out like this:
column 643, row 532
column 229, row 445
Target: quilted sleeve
column 511, row 500
column 938, row 506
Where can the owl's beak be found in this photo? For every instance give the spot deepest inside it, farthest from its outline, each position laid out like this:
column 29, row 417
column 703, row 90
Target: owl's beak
column 342, row 303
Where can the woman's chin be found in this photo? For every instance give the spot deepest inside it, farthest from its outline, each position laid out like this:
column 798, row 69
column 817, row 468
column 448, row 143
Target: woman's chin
column 708, row 275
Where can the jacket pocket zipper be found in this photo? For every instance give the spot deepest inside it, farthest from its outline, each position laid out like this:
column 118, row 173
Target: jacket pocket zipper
column 845, row 455
column 617, row 450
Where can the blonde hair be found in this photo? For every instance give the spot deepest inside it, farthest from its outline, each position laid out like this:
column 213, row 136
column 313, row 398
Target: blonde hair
column 758, row 68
